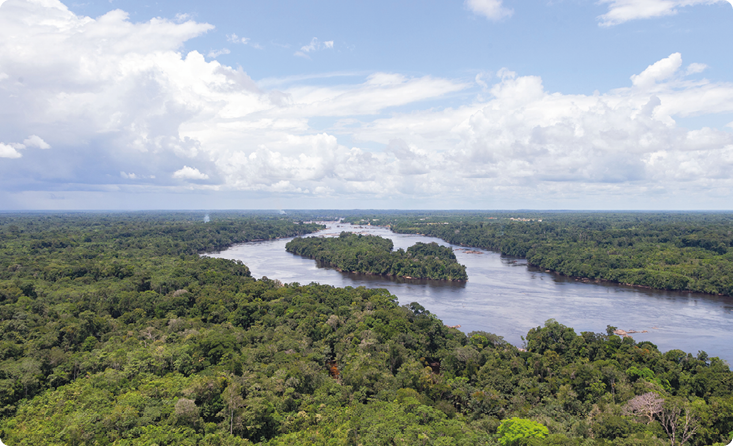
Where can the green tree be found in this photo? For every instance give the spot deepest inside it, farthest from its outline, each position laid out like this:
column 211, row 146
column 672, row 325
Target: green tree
column 512, row 430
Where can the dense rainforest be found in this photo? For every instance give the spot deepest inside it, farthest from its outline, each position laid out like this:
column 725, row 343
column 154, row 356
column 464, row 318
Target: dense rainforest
column 113, row 330
column 372, row 254
column 671, row 251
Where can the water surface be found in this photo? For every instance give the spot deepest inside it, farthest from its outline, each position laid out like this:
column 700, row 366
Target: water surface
column 505, row 296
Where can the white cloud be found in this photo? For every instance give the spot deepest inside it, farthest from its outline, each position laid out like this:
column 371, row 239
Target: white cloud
column 482, row 80
column 380, row 91
column 149, row 108
column 491, row 9
column 36, row 141
column 111, row 99
column 313, row 46
column 8, row 151
column 190, row 173
column 183, row 17
column 236, row 39
column 620, row 11
column 233, row 38
column 695, row 68
column 213, row 54
column 664, row 69
column 525, row 140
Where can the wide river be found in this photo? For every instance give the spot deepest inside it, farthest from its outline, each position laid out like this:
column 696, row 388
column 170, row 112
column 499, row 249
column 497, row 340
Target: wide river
column 506, row 297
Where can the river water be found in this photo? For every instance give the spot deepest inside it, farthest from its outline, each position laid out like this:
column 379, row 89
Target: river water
column 506, row 297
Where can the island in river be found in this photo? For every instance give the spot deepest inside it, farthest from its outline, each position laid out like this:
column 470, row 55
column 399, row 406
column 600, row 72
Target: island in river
column 371, row 254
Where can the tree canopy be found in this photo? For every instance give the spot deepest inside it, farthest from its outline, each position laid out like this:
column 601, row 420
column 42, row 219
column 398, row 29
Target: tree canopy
column 372, row 254
column 114, row 331
column 670, row 251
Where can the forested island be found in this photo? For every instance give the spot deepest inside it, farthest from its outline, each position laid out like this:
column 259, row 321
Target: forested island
column 114, row 330
column 667, row 251
column 371, row 254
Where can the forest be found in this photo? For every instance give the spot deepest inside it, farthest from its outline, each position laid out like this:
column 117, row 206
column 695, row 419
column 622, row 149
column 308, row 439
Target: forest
column 371, row 254
column 114, row 330
column 670, row 251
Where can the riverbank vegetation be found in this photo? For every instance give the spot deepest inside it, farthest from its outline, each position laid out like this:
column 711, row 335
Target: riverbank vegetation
column 371, row 254
column 114, row 331
column 670, row 251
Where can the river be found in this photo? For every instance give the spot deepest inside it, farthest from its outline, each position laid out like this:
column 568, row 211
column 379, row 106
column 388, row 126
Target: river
column 506, row 297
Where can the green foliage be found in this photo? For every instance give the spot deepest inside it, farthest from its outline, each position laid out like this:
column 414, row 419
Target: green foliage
column 512, row 430
column 373, row 255
column 672, row 251
column 110, row 339
column 387, row 423
column 648, row 375
column 554, row 336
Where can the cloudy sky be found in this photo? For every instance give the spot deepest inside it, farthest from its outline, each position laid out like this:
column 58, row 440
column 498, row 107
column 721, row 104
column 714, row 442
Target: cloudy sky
column 475, row 104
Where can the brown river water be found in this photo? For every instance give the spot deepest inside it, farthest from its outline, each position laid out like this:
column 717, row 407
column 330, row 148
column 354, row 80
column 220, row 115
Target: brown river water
column 506, row 297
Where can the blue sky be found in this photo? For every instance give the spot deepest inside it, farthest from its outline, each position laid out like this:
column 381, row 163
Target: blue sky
column 617, row 104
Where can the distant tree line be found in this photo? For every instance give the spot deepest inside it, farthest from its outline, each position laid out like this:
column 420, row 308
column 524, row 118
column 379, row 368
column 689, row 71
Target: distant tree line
column 686, row 252
column 372, row 254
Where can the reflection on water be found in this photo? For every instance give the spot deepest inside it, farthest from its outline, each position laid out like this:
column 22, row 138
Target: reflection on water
column 505, row 296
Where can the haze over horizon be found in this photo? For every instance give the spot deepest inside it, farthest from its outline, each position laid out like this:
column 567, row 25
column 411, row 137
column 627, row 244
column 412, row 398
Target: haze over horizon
column 478, row 104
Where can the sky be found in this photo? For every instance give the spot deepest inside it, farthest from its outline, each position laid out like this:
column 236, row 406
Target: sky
column 292, row 104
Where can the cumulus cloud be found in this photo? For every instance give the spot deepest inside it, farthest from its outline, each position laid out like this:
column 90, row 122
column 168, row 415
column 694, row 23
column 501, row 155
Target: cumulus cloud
column 143, row 107
column 8, row 151
column 620, row 11
column 659, row 71
column 36, row 141
column 491, row 9
column 525, row 140
column 115, row 97
column 190, row 173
